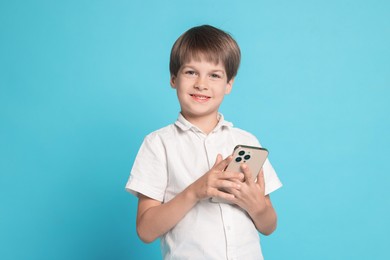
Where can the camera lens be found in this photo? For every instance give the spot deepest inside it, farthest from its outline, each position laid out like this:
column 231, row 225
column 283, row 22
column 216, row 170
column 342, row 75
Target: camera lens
column 238, row 159
column 241, row 152
column 246, row 157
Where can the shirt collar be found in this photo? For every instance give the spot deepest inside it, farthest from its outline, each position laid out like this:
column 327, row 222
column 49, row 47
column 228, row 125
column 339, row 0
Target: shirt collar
column 185, row 125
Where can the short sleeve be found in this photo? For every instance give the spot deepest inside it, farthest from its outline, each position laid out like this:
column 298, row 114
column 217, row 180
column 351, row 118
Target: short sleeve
column 271, row 179
column 148, row 175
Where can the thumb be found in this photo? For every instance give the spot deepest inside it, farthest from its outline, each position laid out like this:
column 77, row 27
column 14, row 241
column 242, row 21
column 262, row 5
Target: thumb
column 218, row 160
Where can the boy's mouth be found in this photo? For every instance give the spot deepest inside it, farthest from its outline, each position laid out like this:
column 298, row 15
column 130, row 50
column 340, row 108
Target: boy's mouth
column 199, row 98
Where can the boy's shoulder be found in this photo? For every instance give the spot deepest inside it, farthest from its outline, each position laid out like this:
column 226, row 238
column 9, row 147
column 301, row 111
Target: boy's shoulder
column 244, row 137
column 243, row 133
column 161, row 133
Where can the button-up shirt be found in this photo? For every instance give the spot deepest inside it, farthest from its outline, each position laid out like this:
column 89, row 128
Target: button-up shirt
column 172, row 158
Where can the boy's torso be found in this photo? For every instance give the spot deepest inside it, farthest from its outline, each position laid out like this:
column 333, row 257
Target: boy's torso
column 209, row 230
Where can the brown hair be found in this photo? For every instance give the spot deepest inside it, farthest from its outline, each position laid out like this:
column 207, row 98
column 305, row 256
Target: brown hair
column 206, row 42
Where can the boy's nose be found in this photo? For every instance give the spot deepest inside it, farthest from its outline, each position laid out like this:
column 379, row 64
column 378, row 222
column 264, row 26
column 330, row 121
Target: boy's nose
column 200, row 84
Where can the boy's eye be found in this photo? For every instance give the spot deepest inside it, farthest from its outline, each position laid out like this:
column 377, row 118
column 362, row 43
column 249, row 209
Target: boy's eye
column 215, row 76
column 190, row 72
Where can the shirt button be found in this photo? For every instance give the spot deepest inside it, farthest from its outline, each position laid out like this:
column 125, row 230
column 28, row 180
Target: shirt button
column 228, row 228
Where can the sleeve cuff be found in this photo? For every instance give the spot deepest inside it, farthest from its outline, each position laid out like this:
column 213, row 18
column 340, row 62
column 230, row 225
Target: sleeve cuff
column 136, row 187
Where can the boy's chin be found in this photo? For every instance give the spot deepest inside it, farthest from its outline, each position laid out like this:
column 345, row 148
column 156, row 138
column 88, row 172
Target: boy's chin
column 199, row 114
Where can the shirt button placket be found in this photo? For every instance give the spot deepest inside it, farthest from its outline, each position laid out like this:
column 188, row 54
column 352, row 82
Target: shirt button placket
column 229, row 229
column 209, row 151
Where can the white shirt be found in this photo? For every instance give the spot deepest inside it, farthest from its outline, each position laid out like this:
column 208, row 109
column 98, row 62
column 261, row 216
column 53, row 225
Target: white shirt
column 175, row 156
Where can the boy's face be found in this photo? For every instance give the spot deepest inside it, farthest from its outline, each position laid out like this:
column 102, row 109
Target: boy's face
column 201, row 87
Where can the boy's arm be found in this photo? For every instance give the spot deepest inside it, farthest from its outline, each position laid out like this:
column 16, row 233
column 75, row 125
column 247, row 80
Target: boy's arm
column 265, row 221
column 155, row 218
column 251, row 198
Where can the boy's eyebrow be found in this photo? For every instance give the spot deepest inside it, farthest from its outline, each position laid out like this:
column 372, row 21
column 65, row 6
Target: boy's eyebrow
column 220, row 71
column 187, row 66
column 191, row 67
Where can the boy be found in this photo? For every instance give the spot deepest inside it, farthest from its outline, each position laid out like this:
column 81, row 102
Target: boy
column 175, row 172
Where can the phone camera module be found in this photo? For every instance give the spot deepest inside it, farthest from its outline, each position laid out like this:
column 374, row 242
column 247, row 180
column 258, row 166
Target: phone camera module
column 241, row 153
column 247, row 157
column 238, row 159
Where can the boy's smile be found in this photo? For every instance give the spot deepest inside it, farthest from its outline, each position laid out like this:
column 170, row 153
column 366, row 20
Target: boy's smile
column 200, row 98
column 201, row 87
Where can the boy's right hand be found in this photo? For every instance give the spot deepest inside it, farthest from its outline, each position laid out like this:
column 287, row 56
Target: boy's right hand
column 215, row 180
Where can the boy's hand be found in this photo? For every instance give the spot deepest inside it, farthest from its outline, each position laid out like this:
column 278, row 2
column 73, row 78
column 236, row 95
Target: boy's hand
column 250, row 196
column 215, row 180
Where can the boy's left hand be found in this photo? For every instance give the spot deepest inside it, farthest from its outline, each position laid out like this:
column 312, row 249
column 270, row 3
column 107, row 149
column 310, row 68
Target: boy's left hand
column 250, row 196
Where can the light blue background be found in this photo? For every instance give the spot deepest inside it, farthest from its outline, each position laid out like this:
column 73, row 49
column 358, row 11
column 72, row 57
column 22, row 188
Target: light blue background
column 82, row 82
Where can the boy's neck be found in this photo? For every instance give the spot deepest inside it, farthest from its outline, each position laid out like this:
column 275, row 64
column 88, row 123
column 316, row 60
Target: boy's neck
column 205, row 123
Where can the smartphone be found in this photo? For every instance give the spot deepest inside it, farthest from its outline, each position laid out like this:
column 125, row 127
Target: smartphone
column 252, row 156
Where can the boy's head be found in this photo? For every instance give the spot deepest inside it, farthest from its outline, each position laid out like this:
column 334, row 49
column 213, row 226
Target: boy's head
column 209, row 43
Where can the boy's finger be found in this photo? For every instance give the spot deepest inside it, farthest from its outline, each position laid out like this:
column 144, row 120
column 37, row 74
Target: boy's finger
column 247, row 172
column 225, row 196
column 227, row 184
column 260, row 179
column 222, row 164
column 232, row 176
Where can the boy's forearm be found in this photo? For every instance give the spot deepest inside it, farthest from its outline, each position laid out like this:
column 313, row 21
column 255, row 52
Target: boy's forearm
column 266, row 220
column 157, row 220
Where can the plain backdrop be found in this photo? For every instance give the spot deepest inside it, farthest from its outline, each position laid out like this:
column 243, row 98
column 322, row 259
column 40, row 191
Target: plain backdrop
column 83, row 82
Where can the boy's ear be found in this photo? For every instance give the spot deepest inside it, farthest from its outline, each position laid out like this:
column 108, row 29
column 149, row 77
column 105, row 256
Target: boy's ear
column 173, row 81
column 229, row 86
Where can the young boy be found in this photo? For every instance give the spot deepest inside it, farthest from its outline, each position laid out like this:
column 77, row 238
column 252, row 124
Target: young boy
column 180, row 167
